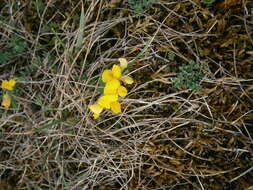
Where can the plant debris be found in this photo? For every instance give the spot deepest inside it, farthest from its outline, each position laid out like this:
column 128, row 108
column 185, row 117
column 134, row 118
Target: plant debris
column 165, row 137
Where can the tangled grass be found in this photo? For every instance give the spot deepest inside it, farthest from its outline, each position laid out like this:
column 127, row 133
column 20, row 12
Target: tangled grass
column 166, row 137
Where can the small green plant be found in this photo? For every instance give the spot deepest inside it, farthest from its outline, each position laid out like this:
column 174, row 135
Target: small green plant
column 189, row 76
column 39, row 5
column 139, row 6
column 171, row 55
column 208, row 2
column 16, row 45
column 4, row 57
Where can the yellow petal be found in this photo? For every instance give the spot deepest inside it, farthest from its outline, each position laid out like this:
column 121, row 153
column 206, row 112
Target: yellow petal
column 6, row 101
column 112, row 85
column 107, row 76
column 104, row 102
column 127, row 79
column 8, row 84
column 123, row 63
column 111, row 98
column 96, row 115
column 122, row 91
column 95, row 108
column 116, row 70
column 116, row 107
column 109, row 91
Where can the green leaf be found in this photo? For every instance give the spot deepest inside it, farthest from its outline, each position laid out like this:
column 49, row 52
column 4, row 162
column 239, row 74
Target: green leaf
column 4, row 57
column 189, row 76
column 139, row 6
column 40, row 7
column 100, row 90
column 208, row 2
column 171, row 55
column 80, row 34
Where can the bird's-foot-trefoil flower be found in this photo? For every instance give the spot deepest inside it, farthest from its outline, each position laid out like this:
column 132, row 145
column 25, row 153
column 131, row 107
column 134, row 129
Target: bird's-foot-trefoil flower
column 96, row 109
column 116, row 73
column 7, row 85
column 116, row 89
column 6, row 102
column 113, row 89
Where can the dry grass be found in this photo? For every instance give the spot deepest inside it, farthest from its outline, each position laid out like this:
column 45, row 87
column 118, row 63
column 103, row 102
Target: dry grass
column 165, row 138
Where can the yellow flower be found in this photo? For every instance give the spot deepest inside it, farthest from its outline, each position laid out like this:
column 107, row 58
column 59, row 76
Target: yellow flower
column 123, row 63
column 106, row 100
column 96, row 109
column 103, row 102
column 8, row 84
column 113, row 84
column 109, row 91
column 116, row 70
column 127, row 79
column 116, row 73
column 6, row 101
column 111, row 87
column 112, row 90
column 119, row 91
column 116, row 107
column 122, row 91
column 96, row 115
column 110, row 102
column 109, row 75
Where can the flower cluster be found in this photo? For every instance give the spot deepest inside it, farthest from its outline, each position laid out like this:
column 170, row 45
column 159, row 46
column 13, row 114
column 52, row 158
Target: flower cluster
column 7, row 85
column 112, row 90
